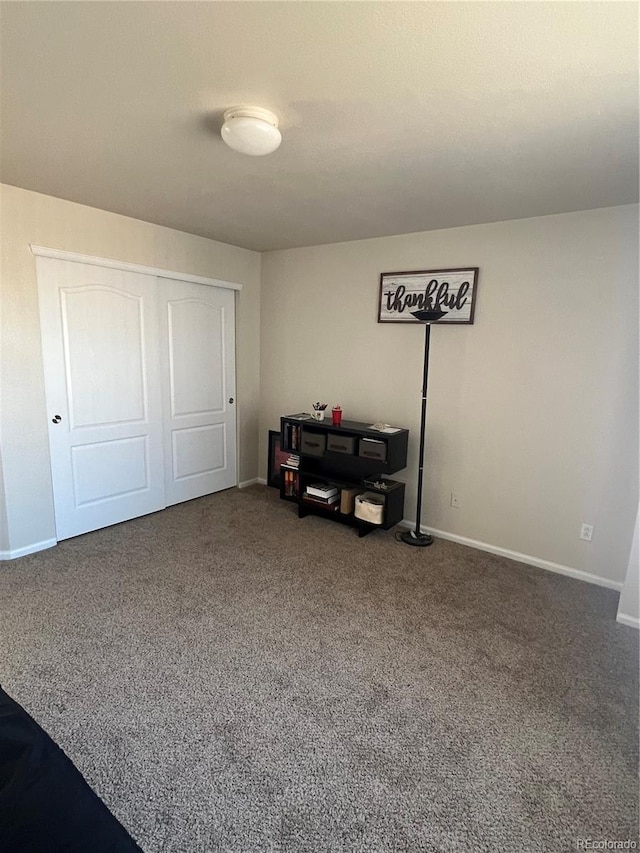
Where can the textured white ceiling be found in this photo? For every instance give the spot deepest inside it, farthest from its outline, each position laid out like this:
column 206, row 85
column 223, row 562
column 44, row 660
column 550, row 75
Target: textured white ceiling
column 396, row 117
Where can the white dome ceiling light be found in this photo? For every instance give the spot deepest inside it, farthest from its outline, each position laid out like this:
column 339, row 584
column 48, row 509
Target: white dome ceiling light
column 251, row 130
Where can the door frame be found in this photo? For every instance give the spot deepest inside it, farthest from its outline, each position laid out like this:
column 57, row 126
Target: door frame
column 61, row 255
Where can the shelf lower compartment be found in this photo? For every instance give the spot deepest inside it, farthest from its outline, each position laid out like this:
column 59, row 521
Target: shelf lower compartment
column 349, row 519
column 289, row 483
column 327, row 509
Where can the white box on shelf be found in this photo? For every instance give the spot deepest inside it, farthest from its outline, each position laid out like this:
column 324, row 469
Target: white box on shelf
column 370, row 507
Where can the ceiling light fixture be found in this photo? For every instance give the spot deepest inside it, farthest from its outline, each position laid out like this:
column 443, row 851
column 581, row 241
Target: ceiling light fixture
column 251, row 130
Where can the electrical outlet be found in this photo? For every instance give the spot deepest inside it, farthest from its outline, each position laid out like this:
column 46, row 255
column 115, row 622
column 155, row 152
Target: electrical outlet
column 586, row 532
column 455, row 500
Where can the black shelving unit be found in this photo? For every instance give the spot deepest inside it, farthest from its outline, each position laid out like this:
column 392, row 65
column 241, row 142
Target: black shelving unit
column 349, row 457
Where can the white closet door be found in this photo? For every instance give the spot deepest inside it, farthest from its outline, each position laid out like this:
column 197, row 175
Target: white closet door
column 198, row 352
column 101, row 360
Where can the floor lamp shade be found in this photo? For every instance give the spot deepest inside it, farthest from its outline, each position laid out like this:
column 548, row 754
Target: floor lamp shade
column 415, row 537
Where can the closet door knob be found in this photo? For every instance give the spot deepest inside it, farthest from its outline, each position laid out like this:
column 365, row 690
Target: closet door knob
column 231, row 399
column 56, row 419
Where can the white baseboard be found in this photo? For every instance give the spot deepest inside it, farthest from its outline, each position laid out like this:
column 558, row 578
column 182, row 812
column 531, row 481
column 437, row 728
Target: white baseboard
column 519, row 558
column 245, row 483
column 262, row 481
column 28, row 549
column 631, row 621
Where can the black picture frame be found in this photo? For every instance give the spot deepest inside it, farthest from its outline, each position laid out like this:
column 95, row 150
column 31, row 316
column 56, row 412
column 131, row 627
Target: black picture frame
column 451, row 290
column 277, row 457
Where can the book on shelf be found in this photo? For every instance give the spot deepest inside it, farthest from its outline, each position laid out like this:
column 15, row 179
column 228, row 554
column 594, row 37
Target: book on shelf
column 291, row 436
column 301, row 416
column 321, row 490
column 328, row 503
column 330, row 500
column 293, row 461
column 290, row 483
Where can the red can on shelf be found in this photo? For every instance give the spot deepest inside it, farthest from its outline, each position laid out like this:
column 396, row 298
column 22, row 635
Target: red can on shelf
column 336, row 416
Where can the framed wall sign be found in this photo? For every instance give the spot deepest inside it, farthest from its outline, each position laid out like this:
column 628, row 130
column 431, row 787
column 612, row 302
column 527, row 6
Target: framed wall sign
column 453, row 291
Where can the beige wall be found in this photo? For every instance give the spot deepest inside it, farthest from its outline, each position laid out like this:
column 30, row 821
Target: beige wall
column 532, row 411
column 27, row 217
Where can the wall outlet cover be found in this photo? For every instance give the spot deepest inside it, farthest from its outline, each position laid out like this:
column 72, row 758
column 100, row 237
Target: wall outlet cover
column 586, row 532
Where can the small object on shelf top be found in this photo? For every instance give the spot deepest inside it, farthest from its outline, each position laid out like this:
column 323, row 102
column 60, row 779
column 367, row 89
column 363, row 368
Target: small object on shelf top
column 318, row 411
column 380, row 483
column 379, row 427
column 301, row 416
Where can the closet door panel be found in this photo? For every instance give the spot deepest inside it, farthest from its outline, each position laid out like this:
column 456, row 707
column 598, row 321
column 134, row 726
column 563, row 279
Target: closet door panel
column 101, row 360
column 198, row 334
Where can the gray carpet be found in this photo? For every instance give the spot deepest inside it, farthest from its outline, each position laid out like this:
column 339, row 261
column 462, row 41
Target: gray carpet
column 230, row 678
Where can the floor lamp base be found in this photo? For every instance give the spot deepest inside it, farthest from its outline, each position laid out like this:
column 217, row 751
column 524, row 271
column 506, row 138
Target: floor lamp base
column 421, row 540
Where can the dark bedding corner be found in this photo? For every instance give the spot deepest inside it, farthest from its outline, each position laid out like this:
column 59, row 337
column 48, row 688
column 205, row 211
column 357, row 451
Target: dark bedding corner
column 45, row 804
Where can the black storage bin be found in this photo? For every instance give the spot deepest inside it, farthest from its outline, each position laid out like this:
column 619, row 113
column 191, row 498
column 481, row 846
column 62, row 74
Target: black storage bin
column 372, row 449
column 313, row 442
column 341, row 443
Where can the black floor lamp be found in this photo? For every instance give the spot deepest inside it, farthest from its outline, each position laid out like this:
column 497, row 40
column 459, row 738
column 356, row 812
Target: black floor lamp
column 415, row 537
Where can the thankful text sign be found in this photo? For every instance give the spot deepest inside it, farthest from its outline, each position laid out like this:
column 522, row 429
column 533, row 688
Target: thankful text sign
column 453, row 291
